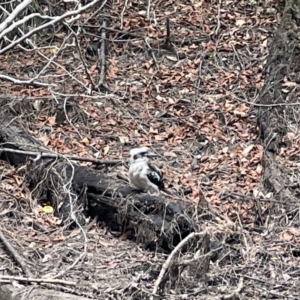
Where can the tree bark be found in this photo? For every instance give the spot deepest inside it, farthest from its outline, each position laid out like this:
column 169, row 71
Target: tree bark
column 278, row 112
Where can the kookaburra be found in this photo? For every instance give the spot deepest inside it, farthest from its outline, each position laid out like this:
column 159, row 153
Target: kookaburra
column 142, row 173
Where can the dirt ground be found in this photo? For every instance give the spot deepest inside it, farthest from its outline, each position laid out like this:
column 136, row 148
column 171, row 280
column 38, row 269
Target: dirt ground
column 191, row 101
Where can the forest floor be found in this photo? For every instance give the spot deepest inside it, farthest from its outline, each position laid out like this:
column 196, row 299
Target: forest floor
column 193, row 103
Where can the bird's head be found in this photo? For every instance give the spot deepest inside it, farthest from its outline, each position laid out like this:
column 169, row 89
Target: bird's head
column 142, row 152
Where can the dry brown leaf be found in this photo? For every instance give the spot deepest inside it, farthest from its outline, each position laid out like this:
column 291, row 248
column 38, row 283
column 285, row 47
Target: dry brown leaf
column 240, row 113
column 113, row 61
column 242, row 171
column 111, row 72
column 125, row 235
column 171, row 57
column 133, row 89
column 225, row 150
column 240, row 22
column 59, row 238
column 289, row 84
column 170, row 154
column 269, row 195
column 51, row 120
column 247, row 150
column 147, row 64
column 45, row 140
column 243, row 107
column 228, row 106
column 106, row 149
column 286, row 236
column 124, row 139
column 264, row 43
column 93, row 68
column 151, row 130
column 290, row 136
column 259, row 169
column 159, row 137
column 243, row 134
column 294, row 231
column 195, row 193
column 85, row 141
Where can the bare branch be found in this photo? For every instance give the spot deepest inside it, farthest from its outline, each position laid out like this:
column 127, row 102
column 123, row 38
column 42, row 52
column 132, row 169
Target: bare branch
column 40, row 280
column 102, row 54
column 29, row 81
column 83, row 61
column 14, row 14
column 56, row 155
column 22, row 21
column 169, row 260
column 51, row 23
column 15, row 254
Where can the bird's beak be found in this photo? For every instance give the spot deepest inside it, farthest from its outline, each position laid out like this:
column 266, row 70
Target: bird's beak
column 151, row 154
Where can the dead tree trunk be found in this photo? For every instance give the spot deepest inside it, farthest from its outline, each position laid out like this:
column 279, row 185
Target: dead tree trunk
column 279, row 111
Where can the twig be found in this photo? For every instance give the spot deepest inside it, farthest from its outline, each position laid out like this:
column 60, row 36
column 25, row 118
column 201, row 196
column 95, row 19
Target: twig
column 148, row 9
column 50, row 60
column 33, row 81
column 102, row 55
column 199, row 81
column 257, row 104
column 218, row 17
column 67, row 190
column 51, row 23
column 266, row 105
column 22, row 21
column 168, row 36
column 168, row 261
column 14, row 14
column 233, row 294
column 90, row 225
column 83, row 61
column 119, row 176
column 68, row 119
column 152, row 53
column 236, row 291
column 16, row 256
column 122, row 13
column 29, row 81
column 56, row 155
column 40, row 280
column 235, row 52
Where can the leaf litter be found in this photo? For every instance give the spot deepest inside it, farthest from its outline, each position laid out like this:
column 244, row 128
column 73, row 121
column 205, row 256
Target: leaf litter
column 197, row 105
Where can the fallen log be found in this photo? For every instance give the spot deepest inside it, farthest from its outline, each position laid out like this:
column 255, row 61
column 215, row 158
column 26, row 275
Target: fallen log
column 76, row 191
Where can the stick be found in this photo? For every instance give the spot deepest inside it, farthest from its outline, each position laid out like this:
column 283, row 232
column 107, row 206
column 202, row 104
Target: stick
column 152, row 53
column 45, row 25
column 26, row 82
column 168, row 261
column 39, row 155
column 14, row 14
column 148, row 9
column 40, row 280
column 236, row 291
column 168, row 39
column 102, row 55
column 83, row 62
column 122, row 13
column 16, row 256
